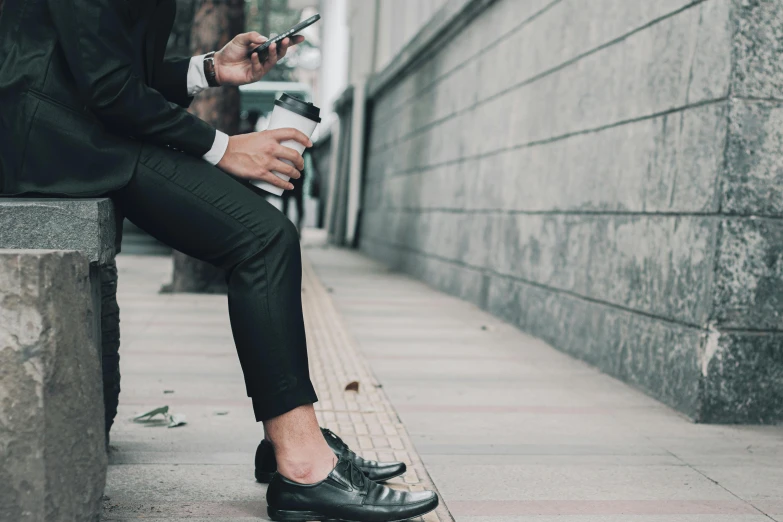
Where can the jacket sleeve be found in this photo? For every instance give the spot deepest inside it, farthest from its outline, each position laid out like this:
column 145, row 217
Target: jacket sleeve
column 171, row 80
column 99, row 51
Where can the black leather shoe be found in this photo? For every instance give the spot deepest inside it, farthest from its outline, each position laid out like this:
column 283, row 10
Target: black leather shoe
column 266, row 465
column 346, row 494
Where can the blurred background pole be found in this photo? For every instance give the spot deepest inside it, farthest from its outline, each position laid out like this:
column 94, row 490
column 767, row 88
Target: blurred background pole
column 214, row 24
column 266, row 8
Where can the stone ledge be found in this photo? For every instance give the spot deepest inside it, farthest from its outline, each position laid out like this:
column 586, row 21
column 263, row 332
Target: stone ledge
column 52, row 455
column 85, row 225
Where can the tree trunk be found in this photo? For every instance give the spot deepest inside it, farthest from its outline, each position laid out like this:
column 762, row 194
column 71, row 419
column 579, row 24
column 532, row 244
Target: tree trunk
column 215, row 23
column 179, row 41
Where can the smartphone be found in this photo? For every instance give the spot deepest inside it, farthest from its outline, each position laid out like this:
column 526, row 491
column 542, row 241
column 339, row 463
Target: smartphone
column 263, row 51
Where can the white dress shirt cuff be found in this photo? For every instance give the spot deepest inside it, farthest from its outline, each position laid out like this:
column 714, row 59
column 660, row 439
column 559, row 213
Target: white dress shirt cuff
column 218, row 149
column 197, row 80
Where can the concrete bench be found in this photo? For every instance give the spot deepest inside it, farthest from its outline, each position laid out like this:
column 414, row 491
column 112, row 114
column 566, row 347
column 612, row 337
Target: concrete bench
column 59, row 361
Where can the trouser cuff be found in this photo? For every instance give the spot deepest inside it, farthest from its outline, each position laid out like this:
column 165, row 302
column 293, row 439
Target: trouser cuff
column 270, row 406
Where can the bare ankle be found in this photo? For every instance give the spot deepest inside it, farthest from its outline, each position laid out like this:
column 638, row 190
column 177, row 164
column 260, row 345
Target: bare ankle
column 300, row 448
column 302, row 472
column 307, row 471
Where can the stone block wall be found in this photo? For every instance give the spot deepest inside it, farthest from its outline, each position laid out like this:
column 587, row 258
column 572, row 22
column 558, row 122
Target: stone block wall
column 607, row 175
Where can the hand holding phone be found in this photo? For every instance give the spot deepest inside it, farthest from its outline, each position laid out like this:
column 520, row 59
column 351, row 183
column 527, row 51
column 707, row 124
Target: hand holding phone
column 263, row 51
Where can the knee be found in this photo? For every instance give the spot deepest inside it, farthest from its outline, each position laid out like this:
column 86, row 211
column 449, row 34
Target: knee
column 286, row 238
column 277, row 246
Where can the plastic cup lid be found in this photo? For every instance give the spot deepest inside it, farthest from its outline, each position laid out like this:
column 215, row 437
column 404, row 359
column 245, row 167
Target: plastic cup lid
column 299, row 106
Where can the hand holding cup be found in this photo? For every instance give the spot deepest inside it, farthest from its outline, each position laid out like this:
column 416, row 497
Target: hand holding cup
column 291, row 112
column 257, row 155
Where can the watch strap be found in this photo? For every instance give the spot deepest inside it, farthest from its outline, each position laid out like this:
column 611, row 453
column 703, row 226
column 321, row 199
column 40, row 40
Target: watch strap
column 209, row 70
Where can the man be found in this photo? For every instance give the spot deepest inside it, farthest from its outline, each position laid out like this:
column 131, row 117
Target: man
column 89, row 108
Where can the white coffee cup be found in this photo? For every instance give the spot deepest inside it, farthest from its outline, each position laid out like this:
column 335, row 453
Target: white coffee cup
column 291, row 112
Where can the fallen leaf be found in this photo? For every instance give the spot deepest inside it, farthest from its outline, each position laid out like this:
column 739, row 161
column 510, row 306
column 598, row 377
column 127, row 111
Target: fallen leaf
column 163, row 410
column 176, row 420
column 352, row 386
column 171, row 419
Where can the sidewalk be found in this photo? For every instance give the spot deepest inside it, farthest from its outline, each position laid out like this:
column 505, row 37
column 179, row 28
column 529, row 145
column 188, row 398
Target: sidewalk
column 177, row 351
column 512, row 430
column 508, row 428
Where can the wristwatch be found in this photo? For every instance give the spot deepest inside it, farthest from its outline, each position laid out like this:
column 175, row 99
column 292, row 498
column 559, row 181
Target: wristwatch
column 209, row 70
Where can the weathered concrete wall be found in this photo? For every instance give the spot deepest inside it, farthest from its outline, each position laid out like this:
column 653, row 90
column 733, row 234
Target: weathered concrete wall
column 52, row 454
column 606, row 175
column 90, row 226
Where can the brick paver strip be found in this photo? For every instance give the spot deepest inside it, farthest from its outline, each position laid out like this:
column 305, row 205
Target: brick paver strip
column 366, row 420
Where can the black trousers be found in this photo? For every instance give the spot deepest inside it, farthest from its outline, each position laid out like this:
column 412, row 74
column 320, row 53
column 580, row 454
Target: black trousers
column 297, row 194
column 203, row 212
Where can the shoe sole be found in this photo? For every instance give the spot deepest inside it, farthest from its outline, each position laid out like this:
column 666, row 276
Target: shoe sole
column 283, row 515
column 265, row 477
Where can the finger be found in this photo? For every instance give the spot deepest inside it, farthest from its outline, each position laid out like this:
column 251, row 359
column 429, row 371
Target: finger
column 256, row 66
column 272, row 53
column 284, row 168
column 283, row 48
column 291, row 134
column 289, row 42
column 283, row 152
column 257, row 38
column 270, row 178
column 249, row 39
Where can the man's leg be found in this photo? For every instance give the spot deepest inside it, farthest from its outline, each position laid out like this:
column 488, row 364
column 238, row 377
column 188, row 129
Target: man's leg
column 299, row 196
column 201, row 211
column 286, row 199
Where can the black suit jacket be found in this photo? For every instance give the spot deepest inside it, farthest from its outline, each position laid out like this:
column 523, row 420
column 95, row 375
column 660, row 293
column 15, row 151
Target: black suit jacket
column 82, row 84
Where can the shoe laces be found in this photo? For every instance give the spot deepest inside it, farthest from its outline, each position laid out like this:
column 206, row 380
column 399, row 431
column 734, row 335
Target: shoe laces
column 354, row 474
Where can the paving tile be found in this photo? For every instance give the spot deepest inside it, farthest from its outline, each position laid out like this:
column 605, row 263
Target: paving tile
column 123, row 518
column 603, row 508
column 581, row 482
column 545, row 454
column 755, row 483
column 519, row 428
column 616, row 518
